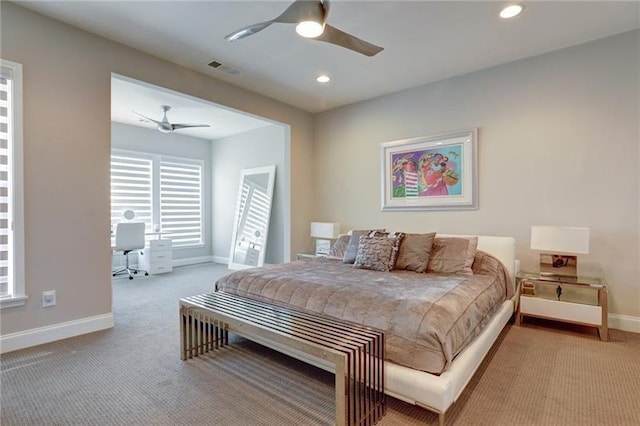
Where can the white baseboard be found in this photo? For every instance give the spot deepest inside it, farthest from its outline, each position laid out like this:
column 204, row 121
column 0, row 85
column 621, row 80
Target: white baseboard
column 50, row 333
column 221, row 259
column 193, row 261
column 624, row 322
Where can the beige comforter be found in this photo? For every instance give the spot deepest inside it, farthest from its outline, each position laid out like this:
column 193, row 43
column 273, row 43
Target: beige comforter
column 427, row 319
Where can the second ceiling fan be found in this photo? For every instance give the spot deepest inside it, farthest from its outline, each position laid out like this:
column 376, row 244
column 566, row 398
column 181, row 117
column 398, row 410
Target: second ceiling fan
column 311, row 19
column 167, row 127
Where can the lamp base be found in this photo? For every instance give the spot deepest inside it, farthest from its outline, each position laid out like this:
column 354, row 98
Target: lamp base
column 323, row 247
column 559, row 265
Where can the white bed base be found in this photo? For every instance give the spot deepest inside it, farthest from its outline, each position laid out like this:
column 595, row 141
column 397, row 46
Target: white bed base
column 438, row 393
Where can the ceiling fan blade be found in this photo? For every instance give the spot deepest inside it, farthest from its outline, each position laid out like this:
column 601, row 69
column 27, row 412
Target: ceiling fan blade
column 299, row 10
column 247, row 31
column 302, row 10
column 338, row 37
column 179, row 126
column 148, row 119
column 326, row 5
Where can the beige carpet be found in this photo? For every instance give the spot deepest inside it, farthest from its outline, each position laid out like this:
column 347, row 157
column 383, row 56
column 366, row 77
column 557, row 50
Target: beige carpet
column 542, row 373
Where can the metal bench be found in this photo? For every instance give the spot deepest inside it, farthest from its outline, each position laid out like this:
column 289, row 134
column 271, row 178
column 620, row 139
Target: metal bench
column 357, row 352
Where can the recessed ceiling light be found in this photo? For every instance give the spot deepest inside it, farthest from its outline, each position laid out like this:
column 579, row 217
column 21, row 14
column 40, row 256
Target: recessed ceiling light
column 323, row 78
column 511, row 11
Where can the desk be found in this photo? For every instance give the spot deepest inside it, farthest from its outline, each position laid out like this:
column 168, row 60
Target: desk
column 157, row 257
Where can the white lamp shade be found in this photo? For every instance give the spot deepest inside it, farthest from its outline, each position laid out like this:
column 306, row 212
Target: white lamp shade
column 560, row 239
column 325, row 230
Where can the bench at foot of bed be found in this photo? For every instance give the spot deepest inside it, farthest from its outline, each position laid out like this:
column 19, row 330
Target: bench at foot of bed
column 357, row 352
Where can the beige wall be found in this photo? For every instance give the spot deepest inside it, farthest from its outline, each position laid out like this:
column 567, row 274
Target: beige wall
column 67, row 75
column 558, row 145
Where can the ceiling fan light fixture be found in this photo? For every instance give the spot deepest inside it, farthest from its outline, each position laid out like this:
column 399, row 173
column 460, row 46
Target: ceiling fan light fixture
column 309, row 29
column 511, row 11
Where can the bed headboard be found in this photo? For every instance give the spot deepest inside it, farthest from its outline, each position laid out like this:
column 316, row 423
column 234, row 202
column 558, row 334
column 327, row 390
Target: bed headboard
column 503, row 248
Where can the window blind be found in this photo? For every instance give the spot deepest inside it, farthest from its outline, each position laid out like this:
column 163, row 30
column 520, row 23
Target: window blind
column 131, row 188
column 181, row 201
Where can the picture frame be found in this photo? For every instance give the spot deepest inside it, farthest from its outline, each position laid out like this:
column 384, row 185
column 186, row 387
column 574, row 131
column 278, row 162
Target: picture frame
column 437, row 172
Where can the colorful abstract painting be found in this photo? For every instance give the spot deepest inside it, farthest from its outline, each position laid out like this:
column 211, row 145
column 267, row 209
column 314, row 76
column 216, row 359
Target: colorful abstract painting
column 435, row 172
column 427, row 173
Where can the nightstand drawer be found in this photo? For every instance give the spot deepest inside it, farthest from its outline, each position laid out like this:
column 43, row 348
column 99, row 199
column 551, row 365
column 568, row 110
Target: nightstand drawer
column 563, row 311
column 573, row 293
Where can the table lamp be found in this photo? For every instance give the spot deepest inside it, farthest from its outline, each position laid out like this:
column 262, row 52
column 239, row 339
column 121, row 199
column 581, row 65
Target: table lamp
column 559, row 246
column 324, row 232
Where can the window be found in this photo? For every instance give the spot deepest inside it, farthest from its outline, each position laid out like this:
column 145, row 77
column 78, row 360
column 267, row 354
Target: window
column 181, row 201
column 12, row 289
column 165, row 193
column 131, row 188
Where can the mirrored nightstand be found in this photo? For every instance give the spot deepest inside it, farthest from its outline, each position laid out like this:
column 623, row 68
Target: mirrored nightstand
column 581, row 300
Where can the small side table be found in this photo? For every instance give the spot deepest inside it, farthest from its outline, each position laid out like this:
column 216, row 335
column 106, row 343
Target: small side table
column 308, row 256
column 582, row 300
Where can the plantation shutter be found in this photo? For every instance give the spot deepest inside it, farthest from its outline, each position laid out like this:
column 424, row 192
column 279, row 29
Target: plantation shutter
column 181, row 201
column 131, row 189
column 6, row 219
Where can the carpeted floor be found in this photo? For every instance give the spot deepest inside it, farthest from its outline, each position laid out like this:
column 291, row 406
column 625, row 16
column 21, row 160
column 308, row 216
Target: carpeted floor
column 541, row 373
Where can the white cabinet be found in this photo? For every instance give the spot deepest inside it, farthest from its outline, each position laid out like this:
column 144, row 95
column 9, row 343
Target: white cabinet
column 156, row 257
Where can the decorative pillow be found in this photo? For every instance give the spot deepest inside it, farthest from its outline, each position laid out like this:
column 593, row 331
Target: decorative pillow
column 352, row 248
column 453, row 255
column 397, row 238
column 481, row 265
column 375, row 253
column 415, row 251
column 339, row 247
column 486, row 264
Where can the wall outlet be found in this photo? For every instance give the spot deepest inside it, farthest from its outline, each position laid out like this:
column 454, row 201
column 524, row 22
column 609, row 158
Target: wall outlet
column 48, row 298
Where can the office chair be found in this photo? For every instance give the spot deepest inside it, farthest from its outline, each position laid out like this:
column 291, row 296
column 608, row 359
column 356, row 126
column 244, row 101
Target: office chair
column 129, row 237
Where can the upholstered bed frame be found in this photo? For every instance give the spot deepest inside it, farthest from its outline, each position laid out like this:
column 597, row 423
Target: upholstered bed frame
column 438, row 393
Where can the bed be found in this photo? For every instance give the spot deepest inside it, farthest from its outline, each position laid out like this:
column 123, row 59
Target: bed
column 440, row 360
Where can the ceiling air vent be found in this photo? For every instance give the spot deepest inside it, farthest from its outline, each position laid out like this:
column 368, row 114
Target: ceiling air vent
column 224, row 68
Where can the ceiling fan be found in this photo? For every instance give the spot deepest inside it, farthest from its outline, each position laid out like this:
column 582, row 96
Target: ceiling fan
column 165, row 126
column 311, row 19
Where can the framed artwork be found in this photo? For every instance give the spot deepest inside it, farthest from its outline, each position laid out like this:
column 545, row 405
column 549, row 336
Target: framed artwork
column 436, row 172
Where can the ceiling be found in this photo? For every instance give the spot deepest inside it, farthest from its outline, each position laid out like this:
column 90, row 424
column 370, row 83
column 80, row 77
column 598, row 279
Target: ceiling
column 423, row 41
column 129, row 95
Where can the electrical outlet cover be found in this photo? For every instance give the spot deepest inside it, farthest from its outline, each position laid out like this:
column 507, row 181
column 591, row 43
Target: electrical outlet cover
column 48, row 298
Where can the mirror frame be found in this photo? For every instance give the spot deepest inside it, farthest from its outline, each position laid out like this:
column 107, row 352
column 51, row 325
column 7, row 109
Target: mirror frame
column 271, row 170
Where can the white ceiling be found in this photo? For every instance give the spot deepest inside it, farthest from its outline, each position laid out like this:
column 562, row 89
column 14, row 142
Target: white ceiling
column 423, row 41
column 129, row 95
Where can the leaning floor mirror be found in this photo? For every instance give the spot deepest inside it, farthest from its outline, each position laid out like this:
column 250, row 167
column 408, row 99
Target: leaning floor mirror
column 251, row 222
